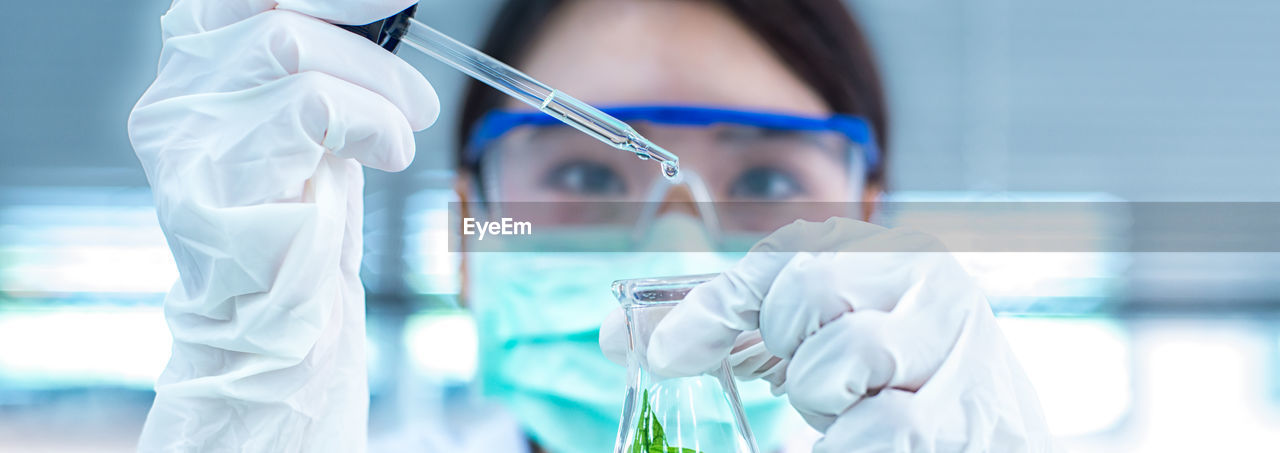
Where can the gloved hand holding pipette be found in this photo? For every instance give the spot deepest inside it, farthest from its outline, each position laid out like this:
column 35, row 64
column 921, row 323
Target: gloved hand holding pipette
column 253, row 137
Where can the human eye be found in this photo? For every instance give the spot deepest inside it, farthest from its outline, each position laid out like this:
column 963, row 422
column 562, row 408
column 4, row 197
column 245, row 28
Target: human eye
column 766, row 183
column 586, row 178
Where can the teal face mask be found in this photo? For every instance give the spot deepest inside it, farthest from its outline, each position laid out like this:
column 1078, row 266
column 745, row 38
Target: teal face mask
column 538, row 317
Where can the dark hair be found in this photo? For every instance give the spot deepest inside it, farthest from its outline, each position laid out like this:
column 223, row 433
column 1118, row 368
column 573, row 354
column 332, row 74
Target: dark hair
column 818, row 39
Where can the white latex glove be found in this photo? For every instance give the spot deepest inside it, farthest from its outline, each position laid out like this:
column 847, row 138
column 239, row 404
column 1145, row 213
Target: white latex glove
column 252, row 137
column 878, row 337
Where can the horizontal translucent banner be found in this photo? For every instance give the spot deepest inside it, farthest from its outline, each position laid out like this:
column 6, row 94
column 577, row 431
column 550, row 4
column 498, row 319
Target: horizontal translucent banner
column 959, row 226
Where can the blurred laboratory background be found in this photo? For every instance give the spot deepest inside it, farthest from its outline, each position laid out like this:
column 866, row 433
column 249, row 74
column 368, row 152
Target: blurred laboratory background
column 1089, row 100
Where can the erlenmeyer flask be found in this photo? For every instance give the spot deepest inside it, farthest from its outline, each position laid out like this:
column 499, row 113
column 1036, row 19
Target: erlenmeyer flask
column 698, row 414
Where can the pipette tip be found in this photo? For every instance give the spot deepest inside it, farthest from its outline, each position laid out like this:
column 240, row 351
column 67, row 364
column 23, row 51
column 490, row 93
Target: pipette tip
column 647, row 150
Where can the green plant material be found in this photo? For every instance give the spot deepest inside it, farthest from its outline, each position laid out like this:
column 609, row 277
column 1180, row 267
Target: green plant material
column 649, row 437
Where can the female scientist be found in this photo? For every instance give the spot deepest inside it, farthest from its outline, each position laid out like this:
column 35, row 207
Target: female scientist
column 262, row 115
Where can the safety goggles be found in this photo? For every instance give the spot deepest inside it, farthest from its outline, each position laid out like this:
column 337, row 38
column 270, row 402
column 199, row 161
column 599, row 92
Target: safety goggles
column 743, row 170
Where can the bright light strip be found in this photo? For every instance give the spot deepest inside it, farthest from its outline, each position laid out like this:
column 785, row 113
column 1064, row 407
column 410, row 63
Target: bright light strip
column 442, row 345
column 1079, row 367
column 432, row 268
column 52, row 250
column 1202, row 388
column 54, row 348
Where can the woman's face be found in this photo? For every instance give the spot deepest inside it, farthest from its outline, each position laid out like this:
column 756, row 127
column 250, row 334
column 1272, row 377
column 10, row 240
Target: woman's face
column 671, row 52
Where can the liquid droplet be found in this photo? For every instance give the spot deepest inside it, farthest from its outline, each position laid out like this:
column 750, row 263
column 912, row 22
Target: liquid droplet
column 670, row 170
column 643, row 156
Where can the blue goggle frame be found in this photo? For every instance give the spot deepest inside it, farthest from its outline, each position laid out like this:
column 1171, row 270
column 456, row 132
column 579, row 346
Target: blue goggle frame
column 857, row 129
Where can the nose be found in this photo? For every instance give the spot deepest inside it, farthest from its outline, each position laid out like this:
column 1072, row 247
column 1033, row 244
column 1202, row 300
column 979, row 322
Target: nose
column 679, row 199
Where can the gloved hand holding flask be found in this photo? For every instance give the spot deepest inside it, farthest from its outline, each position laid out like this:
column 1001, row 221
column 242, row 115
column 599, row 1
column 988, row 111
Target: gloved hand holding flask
column 252, row 137
column 878, row 337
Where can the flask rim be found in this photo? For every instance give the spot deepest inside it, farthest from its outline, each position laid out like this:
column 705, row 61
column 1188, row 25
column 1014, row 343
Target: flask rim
column 656, row 291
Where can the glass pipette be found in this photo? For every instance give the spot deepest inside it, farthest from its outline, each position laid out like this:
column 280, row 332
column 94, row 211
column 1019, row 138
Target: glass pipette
column 612, row 131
